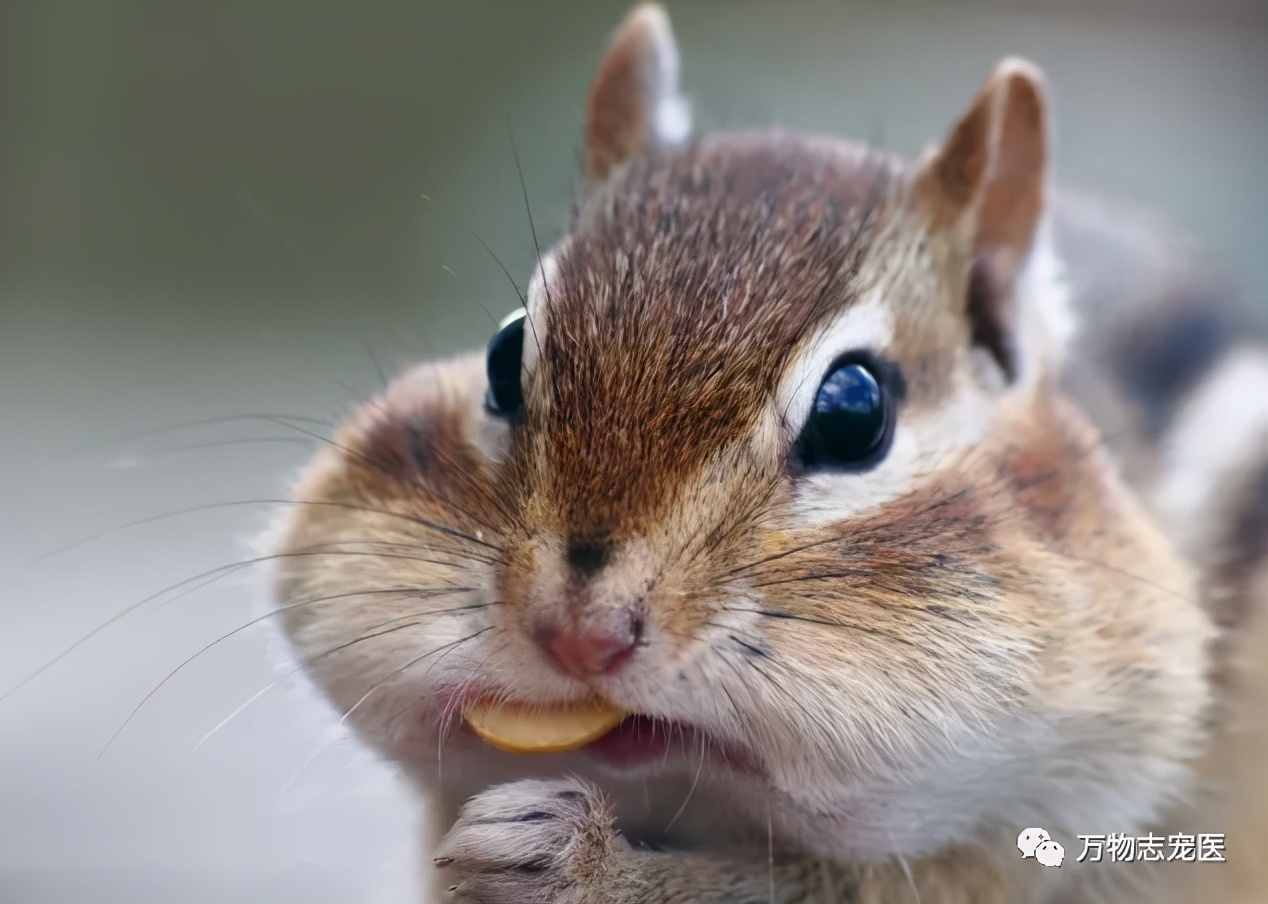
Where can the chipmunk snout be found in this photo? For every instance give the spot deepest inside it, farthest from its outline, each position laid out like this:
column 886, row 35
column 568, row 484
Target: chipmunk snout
column 596, row 643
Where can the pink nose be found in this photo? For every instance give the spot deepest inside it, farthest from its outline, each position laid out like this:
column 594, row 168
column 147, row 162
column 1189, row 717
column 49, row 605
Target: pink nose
column 596, row 646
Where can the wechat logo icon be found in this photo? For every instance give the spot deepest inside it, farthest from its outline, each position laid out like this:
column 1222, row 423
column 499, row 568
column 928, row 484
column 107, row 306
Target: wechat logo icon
column 1036, row 843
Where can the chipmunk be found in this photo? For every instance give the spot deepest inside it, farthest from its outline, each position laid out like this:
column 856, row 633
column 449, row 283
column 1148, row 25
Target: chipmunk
column 822, row 521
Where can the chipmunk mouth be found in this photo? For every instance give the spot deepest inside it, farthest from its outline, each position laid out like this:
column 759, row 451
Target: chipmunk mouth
column 609, row 735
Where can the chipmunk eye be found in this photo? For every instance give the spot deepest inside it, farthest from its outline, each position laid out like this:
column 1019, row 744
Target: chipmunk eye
column 503, row 361
column 851, row 422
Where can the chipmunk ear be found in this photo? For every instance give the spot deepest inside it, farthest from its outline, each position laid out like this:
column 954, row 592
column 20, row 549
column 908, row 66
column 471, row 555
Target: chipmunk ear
column 988, row 186
column 634, row 102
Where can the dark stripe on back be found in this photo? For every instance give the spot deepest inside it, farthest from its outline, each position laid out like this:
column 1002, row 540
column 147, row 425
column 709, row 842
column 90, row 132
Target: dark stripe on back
column 1164, row 357
column 1248, row 548
column 1156, row 315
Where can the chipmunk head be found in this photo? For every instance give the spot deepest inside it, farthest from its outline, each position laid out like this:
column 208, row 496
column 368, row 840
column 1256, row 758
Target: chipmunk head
column 773, row 459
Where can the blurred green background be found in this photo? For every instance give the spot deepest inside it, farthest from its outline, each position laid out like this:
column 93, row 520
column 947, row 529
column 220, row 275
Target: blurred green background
column 218, row 209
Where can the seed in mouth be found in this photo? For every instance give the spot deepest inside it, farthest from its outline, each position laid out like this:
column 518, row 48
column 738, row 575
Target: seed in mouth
column 522, row 728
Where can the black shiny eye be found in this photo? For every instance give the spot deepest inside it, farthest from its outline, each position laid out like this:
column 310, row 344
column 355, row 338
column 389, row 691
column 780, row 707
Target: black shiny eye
column 503, row 360
column 852, row 419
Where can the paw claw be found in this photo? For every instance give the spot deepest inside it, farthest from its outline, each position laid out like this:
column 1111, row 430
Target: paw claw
column 531, row 842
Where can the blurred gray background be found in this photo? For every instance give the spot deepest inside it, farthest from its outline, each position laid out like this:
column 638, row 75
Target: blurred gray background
column 210, row 211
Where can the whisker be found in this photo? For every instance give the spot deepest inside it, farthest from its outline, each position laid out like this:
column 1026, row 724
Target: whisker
column 449, row 647
column 834, row 575
column 450, row 716
column 903, row 864
column 690, row 791
column 445, row 530
column 379, row 466
column 202, row 422
column 532, row 228
column 775, row 557
column 215, row 444
column 475, row 298
column 316, row 551
column 511, row 279
column 776, row 683
column 827, row 623
column 317, row 751
column 410, row 592
column 233, row 715
column 427, row 612
column 258, row 620
column 378, row 367
column 795, row 701
column 356, row 395
column 1127, row 574
column 811, row 577
column 446, row 647
column 293, row 672
column 711, row 540
column 836, row 538
column 215, row 574
column 364, row 697
column 735, row 707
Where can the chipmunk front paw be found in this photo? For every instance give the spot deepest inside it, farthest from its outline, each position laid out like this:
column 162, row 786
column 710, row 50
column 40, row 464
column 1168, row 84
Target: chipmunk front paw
column 532, row 842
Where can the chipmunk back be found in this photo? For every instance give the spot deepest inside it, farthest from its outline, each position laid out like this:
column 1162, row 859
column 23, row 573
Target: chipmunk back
column 824, row 521
column 1171, row 363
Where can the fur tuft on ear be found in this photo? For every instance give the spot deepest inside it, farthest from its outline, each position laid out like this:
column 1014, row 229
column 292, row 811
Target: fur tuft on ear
column 634, row 103
column 988, row 187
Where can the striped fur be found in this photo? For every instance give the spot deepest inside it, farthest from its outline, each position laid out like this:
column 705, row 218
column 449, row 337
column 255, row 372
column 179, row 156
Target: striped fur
column 1171, row 363
column 1012, row 619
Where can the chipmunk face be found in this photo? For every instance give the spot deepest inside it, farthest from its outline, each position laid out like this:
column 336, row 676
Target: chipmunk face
column 772, row 463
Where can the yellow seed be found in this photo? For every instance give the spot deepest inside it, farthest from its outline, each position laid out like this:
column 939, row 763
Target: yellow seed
column 519, row 728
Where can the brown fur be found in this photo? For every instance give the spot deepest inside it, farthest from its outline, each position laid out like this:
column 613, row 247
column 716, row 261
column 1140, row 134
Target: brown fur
column 986, row 629
column 708, row 266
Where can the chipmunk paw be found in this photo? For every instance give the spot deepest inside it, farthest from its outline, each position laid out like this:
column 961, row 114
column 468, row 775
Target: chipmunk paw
column 532, row 842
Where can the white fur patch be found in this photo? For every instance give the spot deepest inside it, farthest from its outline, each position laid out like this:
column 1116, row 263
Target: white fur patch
column 673, row 120
column 540, row 288
column 868, row 325
column 671, row 116
column 920, row 447
column 1046, row 320
column 1220, row 430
